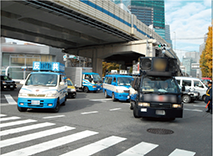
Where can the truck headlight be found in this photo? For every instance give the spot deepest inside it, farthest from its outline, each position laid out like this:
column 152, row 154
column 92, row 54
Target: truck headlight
column 51, row 94
column 144, row 104
column 176, row 105
column 93, row 86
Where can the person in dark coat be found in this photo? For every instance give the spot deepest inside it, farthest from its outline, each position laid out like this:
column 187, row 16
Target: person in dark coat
column 209, row 97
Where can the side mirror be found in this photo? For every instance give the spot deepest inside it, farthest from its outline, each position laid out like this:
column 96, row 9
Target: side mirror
column 22, row 82
column 62, row 83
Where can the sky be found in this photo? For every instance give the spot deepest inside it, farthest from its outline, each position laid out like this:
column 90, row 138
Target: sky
column 189, row 21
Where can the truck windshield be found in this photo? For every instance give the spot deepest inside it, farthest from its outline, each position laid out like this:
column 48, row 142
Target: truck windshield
column 159, row 85
column 124, row 81
column 42, row 79
column 96, row 78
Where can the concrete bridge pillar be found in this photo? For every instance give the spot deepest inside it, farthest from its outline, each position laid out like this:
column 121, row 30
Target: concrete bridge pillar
column 97, row 66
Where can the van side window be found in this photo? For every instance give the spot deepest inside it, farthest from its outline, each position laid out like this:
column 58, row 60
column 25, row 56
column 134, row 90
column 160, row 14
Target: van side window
column 187, row 83
column 198, row 84
column 114, row 80
column 109, row 80
column 106, row 79
column 178, row 81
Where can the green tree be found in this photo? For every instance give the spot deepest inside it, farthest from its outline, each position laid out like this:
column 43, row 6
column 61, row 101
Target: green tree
column 206, row 57
column 109, row 67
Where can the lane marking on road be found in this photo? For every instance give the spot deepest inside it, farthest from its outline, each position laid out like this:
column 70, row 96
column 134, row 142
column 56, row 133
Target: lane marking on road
column 100, row 99
column 199, row 106
column 194, row 110
column 178, row 152
column 33, row 136
column 10, row 99
column 9, row 118
column 16, row 123
column 1, row 115
column 96, row 146
column 51, row 144
column 139, row 149
column 7, row 104
column 114, row 109
column 25, row 128
column 92, row 112
column 57, row 116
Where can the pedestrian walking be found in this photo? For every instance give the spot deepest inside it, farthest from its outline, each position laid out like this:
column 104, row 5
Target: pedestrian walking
column 208, row 98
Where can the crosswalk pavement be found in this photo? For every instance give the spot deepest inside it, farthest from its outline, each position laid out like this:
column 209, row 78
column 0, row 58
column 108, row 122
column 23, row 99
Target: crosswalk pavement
column 13, row 134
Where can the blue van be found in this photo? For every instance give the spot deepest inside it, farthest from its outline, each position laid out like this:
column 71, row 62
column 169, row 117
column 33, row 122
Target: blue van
column 117, row 86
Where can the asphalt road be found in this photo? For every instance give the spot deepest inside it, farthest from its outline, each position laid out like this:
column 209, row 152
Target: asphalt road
column 93, row 125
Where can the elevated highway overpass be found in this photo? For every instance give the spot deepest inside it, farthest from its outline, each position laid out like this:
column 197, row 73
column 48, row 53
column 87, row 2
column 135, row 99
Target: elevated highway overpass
column 98, row 29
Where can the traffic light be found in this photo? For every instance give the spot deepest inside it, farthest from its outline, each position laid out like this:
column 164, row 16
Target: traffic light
column 159, row 45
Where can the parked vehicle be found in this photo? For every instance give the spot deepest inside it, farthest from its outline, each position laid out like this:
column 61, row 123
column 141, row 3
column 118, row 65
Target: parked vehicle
column 83, row 78
column 190, row 96
column 193, row 84
column 71, row 91
column 45, row 88
column 7, row 83
column 117, row 86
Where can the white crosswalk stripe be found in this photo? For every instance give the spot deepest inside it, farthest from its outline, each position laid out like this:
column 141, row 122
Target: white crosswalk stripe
column 25, row 128
column 16, row 123
column 178, row 152
column 33, row 136
column 95, row 147
column 1, row 115
column 140, row 149
column 9, row 118
column 50, row 144
column 10, row 99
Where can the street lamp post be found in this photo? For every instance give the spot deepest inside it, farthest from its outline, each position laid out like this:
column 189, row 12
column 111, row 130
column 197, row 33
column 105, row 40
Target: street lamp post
column 174, row 40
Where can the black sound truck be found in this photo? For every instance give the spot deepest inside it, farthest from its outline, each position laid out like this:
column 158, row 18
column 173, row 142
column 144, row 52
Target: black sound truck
column 156, row 92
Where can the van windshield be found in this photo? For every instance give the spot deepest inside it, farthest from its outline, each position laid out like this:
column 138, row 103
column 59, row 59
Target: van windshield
column 41, row 79
column 162, row 85
column 124, row 81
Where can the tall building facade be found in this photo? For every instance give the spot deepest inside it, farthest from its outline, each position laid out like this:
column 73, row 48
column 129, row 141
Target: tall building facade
column 167, row 35
column 150, row 12
column 144, row 14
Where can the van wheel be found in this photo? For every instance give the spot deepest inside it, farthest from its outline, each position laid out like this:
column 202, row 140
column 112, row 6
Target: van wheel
column 105, row 94
column 186, row 98
column 21, row 109
column 86, row 90
column 113, row 97
column 204, row 97
column 57, row 107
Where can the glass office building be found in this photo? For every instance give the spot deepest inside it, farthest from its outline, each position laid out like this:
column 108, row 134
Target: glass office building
column 144, row 14
column 150, row 12
column 158, row 10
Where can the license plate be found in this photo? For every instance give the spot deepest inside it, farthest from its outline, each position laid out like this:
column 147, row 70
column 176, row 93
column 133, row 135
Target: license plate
column 160, row 112
column 35, row 102
column 11, row 86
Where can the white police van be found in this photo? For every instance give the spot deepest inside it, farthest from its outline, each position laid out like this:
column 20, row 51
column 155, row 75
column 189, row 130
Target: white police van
column 43, row 89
